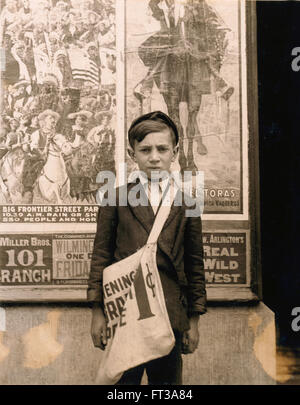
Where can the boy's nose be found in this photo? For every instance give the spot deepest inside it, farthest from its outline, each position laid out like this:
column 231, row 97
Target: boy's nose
column 154, row 157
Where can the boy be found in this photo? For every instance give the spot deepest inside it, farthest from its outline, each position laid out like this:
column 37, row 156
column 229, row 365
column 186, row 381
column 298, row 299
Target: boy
column 122, row 230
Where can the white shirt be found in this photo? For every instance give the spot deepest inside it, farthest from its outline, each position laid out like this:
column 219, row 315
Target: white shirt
column 155, row 190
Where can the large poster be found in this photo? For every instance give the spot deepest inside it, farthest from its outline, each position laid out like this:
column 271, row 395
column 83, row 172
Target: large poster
column 66, row 68
column 74, row 74
column 185, row 58
column 58, row 105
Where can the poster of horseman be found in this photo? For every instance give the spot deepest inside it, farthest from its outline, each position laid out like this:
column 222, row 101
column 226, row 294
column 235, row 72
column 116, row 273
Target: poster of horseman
column 75, row 73
column 189, row 62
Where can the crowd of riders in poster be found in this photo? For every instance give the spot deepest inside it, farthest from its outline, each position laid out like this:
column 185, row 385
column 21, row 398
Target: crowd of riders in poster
column 63, row 66
column 58, row 100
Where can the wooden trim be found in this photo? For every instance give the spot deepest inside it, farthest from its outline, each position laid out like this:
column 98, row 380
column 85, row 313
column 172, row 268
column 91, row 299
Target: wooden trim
column 253, row 149
column 42, row 294
column 231, row 294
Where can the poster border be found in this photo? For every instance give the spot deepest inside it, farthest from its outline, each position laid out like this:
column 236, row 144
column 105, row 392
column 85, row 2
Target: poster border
column 241, row 292
column 245, row 51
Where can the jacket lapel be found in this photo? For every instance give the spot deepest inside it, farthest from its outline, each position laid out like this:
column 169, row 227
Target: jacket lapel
column 143, row 211
column 175, row 209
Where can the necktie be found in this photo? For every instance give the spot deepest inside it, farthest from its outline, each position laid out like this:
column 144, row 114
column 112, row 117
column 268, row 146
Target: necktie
column 155, row 194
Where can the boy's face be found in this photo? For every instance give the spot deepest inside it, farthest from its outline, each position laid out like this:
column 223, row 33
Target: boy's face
column 154, row 153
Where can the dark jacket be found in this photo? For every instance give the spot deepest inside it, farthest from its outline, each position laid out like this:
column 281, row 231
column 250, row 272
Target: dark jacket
column 122, row 230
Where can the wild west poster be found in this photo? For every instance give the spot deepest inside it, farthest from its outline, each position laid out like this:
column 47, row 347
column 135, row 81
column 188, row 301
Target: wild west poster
column 99, row 64
column 74, row 74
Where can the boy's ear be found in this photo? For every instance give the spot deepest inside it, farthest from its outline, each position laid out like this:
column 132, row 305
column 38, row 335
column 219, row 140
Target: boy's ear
column 130, row 152
column 175, row 152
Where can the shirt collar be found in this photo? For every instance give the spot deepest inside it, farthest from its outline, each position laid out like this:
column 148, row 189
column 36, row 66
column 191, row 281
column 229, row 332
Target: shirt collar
column 163, row 183
column 136, row 174
column 146, row 182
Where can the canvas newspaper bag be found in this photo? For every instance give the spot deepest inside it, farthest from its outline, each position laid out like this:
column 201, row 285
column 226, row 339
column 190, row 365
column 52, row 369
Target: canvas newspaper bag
column 139, row 328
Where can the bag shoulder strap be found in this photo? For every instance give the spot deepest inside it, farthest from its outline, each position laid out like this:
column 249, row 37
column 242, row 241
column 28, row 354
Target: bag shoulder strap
column 161, row 216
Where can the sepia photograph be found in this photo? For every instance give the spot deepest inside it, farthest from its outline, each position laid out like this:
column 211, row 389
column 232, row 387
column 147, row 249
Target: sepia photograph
column 136, row 208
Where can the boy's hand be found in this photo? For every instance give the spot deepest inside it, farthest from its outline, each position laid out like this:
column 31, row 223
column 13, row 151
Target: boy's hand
column 98, row 328
column 190, row 338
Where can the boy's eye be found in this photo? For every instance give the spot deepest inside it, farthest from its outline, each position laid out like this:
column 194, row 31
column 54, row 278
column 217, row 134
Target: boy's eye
column 160, row 149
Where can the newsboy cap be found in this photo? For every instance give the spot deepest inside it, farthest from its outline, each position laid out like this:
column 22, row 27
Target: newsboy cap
column 156, row 116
